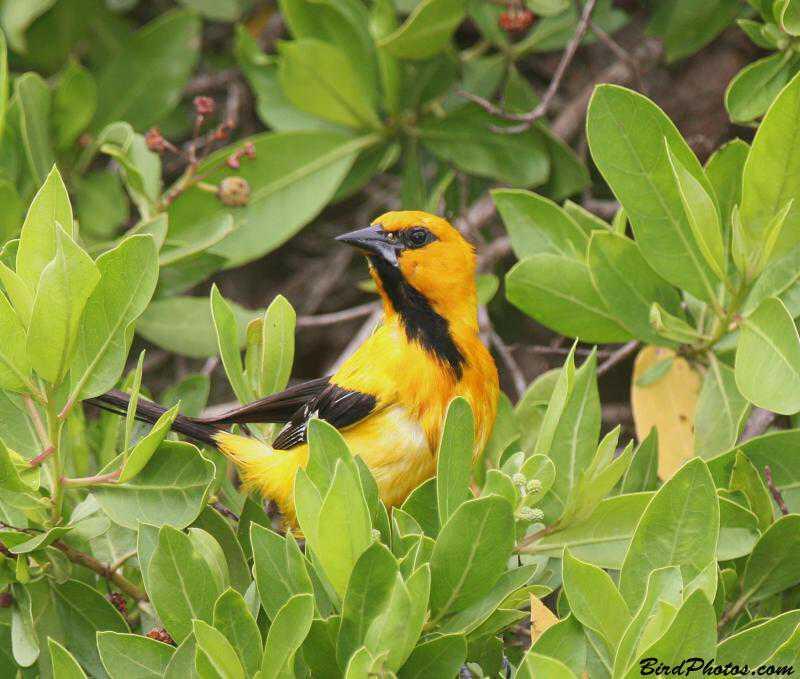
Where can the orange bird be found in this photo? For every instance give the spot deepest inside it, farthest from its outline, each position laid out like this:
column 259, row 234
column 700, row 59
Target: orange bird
column 390, row 397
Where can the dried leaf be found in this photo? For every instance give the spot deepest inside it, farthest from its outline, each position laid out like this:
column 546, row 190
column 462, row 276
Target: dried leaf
column 541, row 618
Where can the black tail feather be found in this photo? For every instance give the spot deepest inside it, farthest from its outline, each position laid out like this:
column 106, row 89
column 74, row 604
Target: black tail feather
column 116, row 401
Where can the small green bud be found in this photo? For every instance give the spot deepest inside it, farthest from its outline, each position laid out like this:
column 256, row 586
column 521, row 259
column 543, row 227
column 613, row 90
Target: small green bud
column 376, row 535
column 518, row 479
column 530, row 514
column 534, row 486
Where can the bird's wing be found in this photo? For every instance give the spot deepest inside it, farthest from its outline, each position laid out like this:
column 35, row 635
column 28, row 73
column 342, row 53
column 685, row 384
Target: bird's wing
column 275, row 408
column 336, row 405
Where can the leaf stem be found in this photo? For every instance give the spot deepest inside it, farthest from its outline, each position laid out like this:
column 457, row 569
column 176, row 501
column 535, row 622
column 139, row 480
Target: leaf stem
column 54, row 425
column 96, row 480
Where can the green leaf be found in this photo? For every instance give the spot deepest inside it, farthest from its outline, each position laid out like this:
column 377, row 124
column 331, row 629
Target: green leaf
column 537, row 225
column 146, row 447
column 293, row 176
column 65, row 286
column 536, row 666
column 33, row 103
column 277, row 344
column 427, row 31
column 40, row 540
column 664, row 586
column 184, row 325
column 463, row 571
column 594, row 599
column 214, row 655
column 16, row 474
column 627, row 284
column 181, row 583
column 286, row 634
column 746, row 478
column 626, row 134
column 334, row 93
column 754, row 645
column 454, row 458
column 724, row 171
column 233, row 619
column 463, row 139
column 752, row 90
column 768, row 358
column 84, row 612
column 229, row 340
column 701, row 212
column 721, row 411
column 133, row 655
column 346, row 530
column 790, row 17
column 680, row 527
column 128, row 276
column 24, row 642
column 673, row 327
column 279, row 568
column 182, row 665
column 143, row 82
column 642, row 474
column 100, row 204
column 216, row 10
column 439, row 657
column 368, row 593
column 15, row 369
column 213, row 523
column 74, row 104
column 171, row 489
column 37, row 245
column 692, row 634
column 18, row 16
column 687, row 26
column 64, row 664
column 557, row 291
column 773, row 160
column 773, row 564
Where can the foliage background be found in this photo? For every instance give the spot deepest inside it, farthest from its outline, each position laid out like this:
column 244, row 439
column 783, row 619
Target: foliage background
column 333, row 112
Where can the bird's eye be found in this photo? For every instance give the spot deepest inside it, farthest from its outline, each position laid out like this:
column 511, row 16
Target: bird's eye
column 417, row 237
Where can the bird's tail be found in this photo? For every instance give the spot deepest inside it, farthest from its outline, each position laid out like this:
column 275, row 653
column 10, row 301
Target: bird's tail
column 116, row 401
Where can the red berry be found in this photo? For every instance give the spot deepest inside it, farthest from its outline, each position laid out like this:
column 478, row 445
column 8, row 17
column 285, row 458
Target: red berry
column 119, row 602
column 6, row 600
column 204, row 106
column 160, row 634
column 516, row 20
column 155, row 141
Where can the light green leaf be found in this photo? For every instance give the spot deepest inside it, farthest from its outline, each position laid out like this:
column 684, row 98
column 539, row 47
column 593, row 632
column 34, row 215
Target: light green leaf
column 128, row 276
column 537, row 225
column 33, row 103
column 74, row 103
column 642, row 474
column 672, row 327
column 133, row 655
column 773, row 160
column 286, row 633
column 768, row 358
column 181, row 583
column 146, row 447
column 37, row 245
column 293, row 176
column 701, row 213
column 427, row 31
column 229, row 341
column 774, row 564
column 627, row 284
column 724, row 171
column 746, row 478
column 171, row 489
column 63, row 662
column 557, row 291
column 233, row 619
column 277, row 344
column 439, row 657
column 790, row 17
column 626, row 134
column 721, row 411
column 454, row 459
column 754, row 645
column 751, row 91
column 463, row 571
column 144, row 80
column 334, row 93
column 536, row 666
column 594, row 599
column 65, row 286
column 214, row 655
column 680, row 527
column 15, row 369
column 279, row 568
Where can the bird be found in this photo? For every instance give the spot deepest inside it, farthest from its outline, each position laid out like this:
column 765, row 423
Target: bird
column 389, row 399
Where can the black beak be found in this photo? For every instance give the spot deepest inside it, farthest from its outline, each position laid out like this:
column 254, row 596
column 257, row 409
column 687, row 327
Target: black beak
column 372, row 241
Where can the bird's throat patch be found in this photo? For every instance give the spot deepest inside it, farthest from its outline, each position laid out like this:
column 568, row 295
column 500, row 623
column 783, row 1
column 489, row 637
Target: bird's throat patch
column 421, row 323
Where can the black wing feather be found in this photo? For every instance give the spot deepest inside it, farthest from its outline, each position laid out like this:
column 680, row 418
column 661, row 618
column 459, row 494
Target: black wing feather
column 338, row 406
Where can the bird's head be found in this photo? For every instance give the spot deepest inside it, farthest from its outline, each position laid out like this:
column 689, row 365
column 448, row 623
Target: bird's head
column 423, row 252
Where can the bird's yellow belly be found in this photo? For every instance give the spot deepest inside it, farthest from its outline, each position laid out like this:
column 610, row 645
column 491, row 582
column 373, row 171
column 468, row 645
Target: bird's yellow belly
column 392, row 444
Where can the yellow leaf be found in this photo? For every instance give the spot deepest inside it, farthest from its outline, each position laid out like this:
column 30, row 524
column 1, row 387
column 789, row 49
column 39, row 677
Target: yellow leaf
column 667, row 403
column 541, row 618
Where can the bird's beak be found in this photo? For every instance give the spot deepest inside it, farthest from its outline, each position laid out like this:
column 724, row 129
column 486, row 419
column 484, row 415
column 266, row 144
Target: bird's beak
column 372, row 241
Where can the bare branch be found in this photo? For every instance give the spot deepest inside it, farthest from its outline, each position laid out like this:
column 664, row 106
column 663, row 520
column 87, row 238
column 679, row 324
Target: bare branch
column 102, row 570
column 337, row 316
column 510, row 362
column 618, row 356
column 776, row 493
